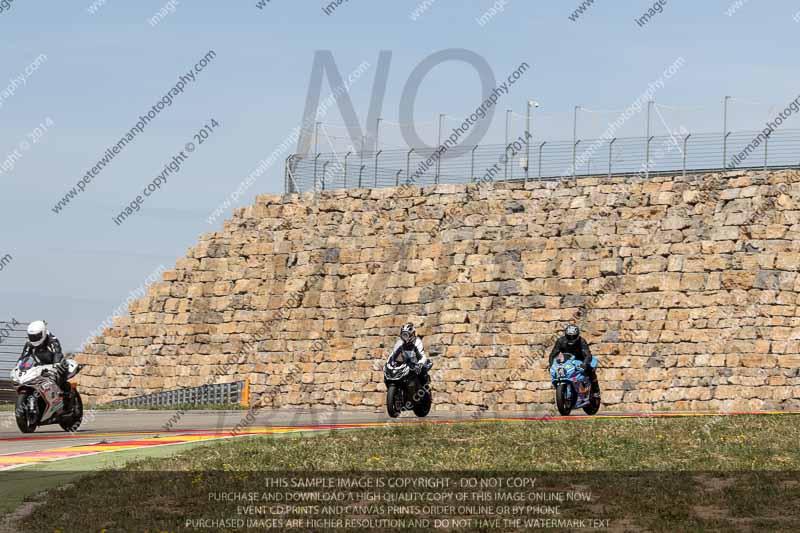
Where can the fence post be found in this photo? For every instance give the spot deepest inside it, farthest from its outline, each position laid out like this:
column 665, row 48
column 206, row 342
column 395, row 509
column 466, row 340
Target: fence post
column 505, row 153
column 575, row 140
column 540, row 159
column 376, row 166
column 725, row 151
column 397, row 178
column 574, row 156
column 290, row 185
column 509, row 148
column 685, row 148
column 647, row 161
column 324, row 169
column 286, row 175
column 766, row 145
column 610, row 154
column 360, row 173
column 725, row 132
column 316, row 159
column 472, row 163
column 408, row 166
column 344, row 181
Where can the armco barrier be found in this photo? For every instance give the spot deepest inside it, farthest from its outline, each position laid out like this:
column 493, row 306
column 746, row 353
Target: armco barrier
column 215, row 394
column 7, row 392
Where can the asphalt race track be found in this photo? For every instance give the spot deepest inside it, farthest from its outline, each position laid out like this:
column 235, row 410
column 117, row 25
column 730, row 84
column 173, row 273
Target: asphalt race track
column 109, row 431
column 112, row 426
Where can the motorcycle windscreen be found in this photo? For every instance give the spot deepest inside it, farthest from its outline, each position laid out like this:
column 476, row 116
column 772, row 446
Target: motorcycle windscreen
column 569, row 368
column 25, row 364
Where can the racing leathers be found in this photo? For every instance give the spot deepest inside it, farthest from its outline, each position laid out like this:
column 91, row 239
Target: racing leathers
column 580, row 350
column 49, row 353
column 418, row 359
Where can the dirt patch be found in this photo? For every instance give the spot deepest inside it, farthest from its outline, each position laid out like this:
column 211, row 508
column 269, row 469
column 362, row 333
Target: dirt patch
column 715, row 483
column 9, row 523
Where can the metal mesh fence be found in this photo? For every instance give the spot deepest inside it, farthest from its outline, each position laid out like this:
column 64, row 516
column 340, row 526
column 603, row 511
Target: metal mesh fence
column 679, row 153
column 13, row 336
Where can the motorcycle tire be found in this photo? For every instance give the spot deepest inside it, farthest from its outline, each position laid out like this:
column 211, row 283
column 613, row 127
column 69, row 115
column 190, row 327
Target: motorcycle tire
column 423, row 407
column 563, row 403
column 20, row 413
column 593, row 406
column 393, row 406
column 74, row 422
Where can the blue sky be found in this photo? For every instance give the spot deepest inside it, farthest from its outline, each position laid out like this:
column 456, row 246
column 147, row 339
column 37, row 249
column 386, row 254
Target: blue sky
column 103, row 70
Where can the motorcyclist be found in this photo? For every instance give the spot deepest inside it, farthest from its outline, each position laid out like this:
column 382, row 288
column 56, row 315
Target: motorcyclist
column 410, row 342
column 46, row 350
column 572, row 344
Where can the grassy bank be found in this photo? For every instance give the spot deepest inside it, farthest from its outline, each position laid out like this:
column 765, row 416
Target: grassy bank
column 704, row 473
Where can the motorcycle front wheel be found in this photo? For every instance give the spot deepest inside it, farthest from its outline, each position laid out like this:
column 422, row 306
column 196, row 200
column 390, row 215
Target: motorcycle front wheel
column 24, row 422
column 592, row 407
column 393, row 401
column 423, row 407
column 72, row 423
column 563, row 399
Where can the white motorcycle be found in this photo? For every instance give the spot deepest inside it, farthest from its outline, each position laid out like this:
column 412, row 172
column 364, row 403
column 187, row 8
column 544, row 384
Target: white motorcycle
column 39, row 398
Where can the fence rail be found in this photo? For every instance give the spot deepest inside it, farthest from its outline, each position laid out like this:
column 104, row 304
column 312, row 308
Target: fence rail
column 214, row 394
column 675, row 154
column 13, row 336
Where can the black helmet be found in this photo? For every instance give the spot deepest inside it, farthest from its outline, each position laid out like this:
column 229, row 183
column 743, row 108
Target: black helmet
column 408, row 333
column 572, row 333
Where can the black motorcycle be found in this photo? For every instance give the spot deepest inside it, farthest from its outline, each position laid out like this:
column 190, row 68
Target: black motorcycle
column 406, row 388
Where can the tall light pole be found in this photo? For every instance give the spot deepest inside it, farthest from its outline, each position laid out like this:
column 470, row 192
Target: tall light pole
column 377, row 133
column 316, row 137
column 725, row 132
column 575, row 138
column 531, row 103
column 438, row 146
column 647, row 154
column 505, row 148
column 439, row 138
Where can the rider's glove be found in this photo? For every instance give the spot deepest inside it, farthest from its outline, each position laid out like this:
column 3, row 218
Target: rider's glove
column 418, row 368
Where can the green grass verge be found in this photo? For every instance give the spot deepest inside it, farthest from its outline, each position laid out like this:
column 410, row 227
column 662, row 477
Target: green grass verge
column 18, row 485
column 663, row 474
column 6, row 406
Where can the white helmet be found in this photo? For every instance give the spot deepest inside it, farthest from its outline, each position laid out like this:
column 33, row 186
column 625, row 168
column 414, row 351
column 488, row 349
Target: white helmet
column 37, row 332
column 407, row 333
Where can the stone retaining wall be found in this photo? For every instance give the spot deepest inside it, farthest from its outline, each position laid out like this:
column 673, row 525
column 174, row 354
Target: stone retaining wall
column 686, row 287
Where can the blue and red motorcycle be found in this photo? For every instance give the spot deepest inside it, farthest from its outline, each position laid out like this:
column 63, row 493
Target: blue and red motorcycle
column 573, row 386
